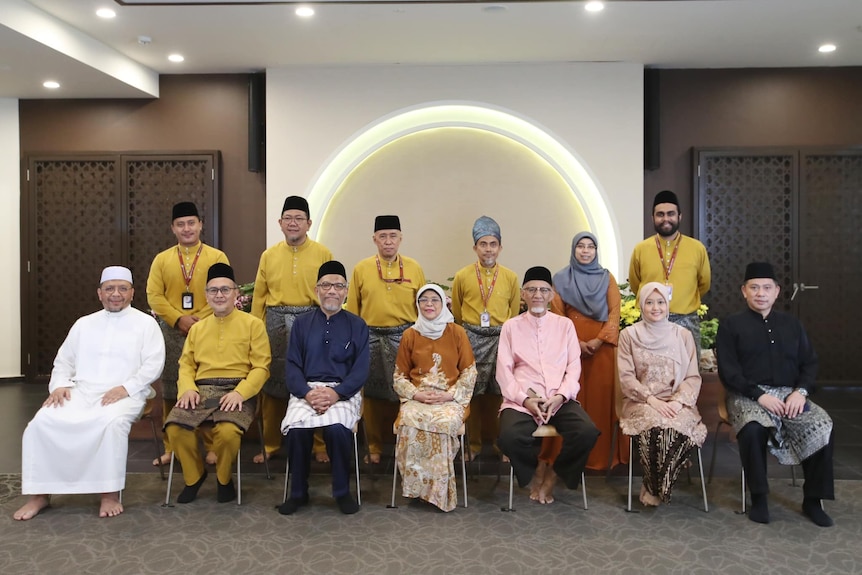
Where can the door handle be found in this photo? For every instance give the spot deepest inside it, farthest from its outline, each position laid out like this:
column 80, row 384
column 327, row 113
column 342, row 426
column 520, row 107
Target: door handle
column 798, row 287
column 803, row 287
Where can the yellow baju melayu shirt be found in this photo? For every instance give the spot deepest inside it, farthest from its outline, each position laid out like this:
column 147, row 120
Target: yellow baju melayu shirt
column 287, row 275
column 690, row 275
column 166, row 285
column 503, row 303
column 231, row 346
column 381, row 303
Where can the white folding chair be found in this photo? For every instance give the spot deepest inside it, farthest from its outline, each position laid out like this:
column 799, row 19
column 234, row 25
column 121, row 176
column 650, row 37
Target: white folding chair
column 355, row 464
column 461, row 432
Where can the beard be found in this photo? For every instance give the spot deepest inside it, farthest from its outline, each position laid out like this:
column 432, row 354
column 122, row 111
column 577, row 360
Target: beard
column 673, row 229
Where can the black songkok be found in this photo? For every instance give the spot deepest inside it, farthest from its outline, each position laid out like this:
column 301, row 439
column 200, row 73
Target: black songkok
column 665, row 197
column 184, row 210
column 220, row 270
column 331, row 267
column 296, row 203
column 759, row 270
column 538, row 273
column 387, row 223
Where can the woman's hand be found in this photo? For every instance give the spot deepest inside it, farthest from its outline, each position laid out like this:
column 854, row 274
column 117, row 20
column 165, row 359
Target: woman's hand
column 433, row 397
column 665, row 408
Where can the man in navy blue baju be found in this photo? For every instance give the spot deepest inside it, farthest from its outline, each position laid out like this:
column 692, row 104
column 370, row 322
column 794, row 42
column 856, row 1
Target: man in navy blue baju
column 327, row 364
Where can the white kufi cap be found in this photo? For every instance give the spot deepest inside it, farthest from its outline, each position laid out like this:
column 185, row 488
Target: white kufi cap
column 116, row 273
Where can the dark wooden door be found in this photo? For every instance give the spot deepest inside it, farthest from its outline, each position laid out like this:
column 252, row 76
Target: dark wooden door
column 85, row 212
column 801, row 211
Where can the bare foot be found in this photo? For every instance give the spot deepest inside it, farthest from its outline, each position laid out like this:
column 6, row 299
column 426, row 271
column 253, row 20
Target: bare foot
column 538, row 480
column 648, row 499
column 211, row 458
column 111, row 506
column 323, row 457
column 261, row 457
column 31, row 509
column 546, row 492
column 373, row 458
column 165, row 459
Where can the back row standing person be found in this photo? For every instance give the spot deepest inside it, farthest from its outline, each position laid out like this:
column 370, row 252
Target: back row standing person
column 284, row 288
column 383, row 292
column 176, row 293
column 484, row 295
column 678, row 261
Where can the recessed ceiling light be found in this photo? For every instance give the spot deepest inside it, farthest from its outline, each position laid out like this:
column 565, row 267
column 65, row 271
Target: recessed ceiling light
column 826, row 48
column 51, row 84
column 305, row 11
column 594, row 6
column 106, row 13
column 176, row 58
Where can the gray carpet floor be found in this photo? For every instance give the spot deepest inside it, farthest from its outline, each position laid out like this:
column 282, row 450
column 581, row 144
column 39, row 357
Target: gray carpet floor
column 208, row 537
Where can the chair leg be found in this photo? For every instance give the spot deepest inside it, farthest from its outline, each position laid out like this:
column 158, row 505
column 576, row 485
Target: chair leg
column 170, row 481
column 702, row 482
column 394, row 479
column 631, row 463
column 614, row 439
column 464, row 469
column 263, row 447
column 156, row 448
column 238, row 477
column 509, row 508
column 743, row 490
column 793, row 474
column 356, row 463
column 120, row 496
column 286, row 478
column 584, row 489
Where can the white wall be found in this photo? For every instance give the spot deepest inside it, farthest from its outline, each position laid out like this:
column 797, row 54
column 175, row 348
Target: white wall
column 10, row 237
column 594, row 110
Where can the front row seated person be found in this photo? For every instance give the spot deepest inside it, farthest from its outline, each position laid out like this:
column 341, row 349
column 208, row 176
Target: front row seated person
column 660, row 382
column 327, row 365
column 538, row 365
column 434, row 376
column 225, row 362
column 78, row 441
column 769, row 367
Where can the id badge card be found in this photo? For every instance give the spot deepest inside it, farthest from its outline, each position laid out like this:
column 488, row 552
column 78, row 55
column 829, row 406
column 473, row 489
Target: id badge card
column 669, row 291
column 188, row 301
column 485, row 319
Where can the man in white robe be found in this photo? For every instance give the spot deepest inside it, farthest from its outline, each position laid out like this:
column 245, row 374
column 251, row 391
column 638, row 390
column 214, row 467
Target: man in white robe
column 78, row 441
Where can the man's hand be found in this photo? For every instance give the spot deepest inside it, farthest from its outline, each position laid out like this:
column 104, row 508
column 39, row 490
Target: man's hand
column 772, row 404
column 321, row 398
column 231, row 401
column 58, row 396
column 535, row 405
column 186, row 322
column 114, row 395
column 189, row 399
column 663, row 407
column 551, row 406
column 794, row 404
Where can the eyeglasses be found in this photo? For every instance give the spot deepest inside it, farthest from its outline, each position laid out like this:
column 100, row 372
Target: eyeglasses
column 589, row 247
column 291, row 219
column 326, row 286
column 431, row 300
column 533, row 290
column 112, row 289
column 224, row 290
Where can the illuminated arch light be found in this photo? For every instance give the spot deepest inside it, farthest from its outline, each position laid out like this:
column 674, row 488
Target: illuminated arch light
column 410, row 121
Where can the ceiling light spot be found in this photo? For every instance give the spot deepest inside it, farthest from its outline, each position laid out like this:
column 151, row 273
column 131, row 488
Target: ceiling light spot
column 594, row 6
column 51, row 84
column 176, row 58
column 305, row 11
column 827, row 48
column 145, row 40
column 106, row 13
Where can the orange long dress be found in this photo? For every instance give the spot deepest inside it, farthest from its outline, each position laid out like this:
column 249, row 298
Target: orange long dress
column 597, row 375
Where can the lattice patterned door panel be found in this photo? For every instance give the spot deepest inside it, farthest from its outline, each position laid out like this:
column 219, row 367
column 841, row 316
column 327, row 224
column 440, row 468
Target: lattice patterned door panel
column 154, row 184
column 830, row 257
column 76, row 231
column 84, row 213
column 745, row 212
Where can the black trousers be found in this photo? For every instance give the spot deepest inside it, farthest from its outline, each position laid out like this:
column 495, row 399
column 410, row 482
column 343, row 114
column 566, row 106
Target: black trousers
column 819, row 478
column 339, row 447
column 572, row 423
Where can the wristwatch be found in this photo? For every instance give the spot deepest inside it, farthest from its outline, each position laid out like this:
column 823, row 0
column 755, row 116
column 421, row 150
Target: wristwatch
column 801, row 391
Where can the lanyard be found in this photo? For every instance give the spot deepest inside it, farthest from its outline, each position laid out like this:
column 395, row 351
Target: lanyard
column 188, row 277
column 401, row 279
column 482, row 286
column 669, row 266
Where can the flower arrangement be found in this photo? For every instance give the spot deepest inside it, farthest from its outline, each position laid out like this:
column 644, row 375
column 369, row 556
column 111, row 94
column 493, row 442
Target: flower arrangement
column 629, row 311
column 243, row 301
column 708, row 329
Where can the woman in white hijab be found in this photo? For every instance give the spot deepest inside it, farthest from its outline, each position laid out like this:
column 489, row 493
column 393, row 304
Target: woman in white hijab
column 434, row 376
column 660, row 383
